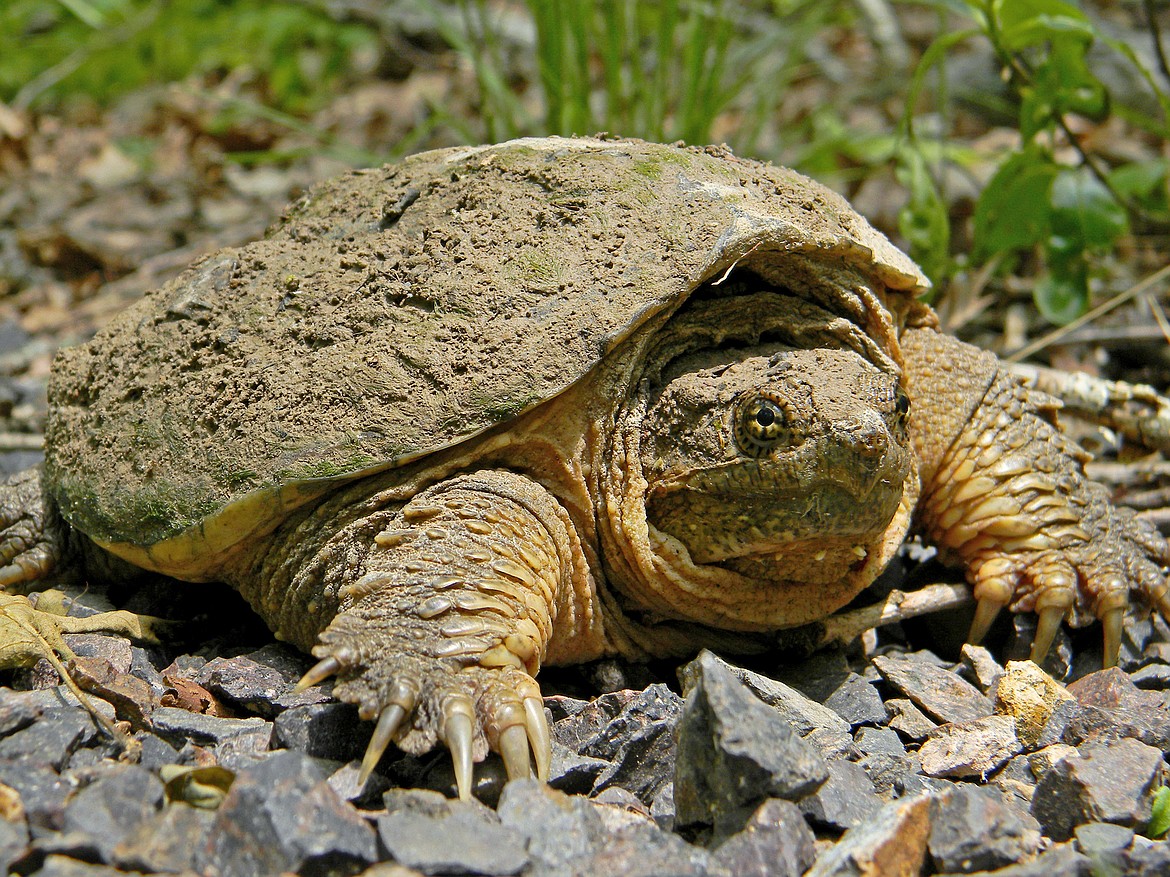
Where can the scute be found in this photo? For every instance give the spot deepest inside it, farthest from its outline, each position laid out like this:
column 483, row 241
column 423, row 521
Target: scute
column 396, row 311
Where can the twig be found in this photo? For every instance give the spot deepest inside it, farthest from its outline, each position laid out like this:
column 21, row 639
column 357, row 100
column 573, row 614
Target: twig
column 20, row 441
column 1134, row 410
column 1101, row 309
column 1156, row 35
column 898, row 606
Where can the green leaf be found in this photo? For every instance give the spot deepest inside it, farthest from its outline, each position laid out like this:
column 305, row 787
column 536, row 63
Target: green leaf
column 1024, row 23
column 1013, row 211
column 924, row 221
column 1084, row 210
column 1143, row 180
column 1160, row 814
column 1062, row 295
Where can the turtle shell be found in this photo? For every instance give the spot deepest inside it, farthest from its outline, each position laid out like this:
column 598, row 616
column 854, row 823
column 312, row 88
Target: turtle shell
column 396, row 311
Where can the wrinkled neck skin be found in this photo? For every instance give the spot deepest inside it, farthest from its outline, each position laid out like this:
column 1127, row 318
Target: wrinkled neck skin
column 716, row 515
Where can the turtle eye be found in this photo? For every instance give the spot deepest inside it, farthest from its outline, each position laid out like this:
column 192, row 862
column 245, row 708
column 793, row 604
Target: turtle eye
column 761, row 425
column 901, row 407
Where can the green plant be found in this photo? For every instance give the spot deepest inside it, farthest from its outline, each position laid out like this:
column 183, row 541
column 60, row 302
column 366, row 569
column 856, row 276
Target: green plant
column 1070, row 211
column 659, row 69
column 1160, row 814
column 107, row 48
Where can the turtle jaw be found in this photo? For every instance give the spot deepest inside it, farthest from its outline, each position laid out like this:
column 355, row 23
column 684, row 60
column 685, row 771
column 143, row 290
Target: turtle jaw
column 770, row 522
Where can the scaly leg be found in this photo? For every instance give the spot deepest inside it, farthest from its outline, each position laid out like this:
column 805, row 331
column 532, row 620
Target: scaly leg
column 33, row 546
column 442, row 627
column 1005, row 491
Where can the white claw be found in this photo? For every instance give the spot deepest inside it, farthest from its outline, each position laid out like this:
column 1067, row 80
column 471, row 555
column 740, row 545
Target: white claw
column 985, row 612
column 539, row 737
column 384, row 731
column 458, row 736
column 1046, row 630
column 319, row 672
column 513, row 746
column 1111, row 623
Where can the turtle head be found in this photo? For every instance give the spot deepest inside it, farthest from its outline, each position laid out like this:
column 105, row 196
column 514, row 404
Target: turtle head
column 781, row 464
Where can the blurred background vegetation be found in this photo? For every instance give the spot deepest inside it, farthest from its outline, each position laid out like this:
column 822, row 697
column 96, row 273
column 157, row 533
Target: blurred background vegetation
column 1017, row 148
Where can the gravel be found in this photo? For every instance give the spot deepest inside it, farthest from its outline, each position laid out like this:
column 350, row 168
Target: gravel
column 904, row 764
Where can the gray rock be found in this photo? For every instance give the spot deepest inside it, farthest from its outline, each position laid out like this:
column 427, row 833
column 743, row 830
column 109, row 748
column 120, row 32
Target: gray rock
column 890, row 768
column 19, row 709
column 166, row 841
column 260, row 682
column 585, row 723
column 639, row 743
column 52, row 739
column 42, row 793
column 940, row 694
column 982, row 667
column 572, row 773
column 973, row 829
column 1060, row 861
column 814, row 722
column 662, row 808
column 857, row 702
column 110, row 808
column 559, row 831
column 241, row 751
column 734, row 752
column 644, row 850
column 1054, row 730
column 776, row 842
column 115, row 649
column 464, row 841
column 281, row 815
column 1150, row 725
column 1152, row 676
column 155, row 751
column 1105, row 782
column 177, row 726
column 907, row 719
column 142, row 667
column 892, row 842
column 827, row 679
column 1105, row 845
column 1150, row 859
column 973, row 748
column 322, row 730
column 14, row 838
column 844, row 800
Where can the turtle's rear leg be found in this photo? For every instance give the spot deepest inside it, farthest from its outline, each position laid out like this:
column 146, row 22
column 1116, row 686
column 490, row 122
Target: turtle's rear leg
column 33, row 538
column 36, row 551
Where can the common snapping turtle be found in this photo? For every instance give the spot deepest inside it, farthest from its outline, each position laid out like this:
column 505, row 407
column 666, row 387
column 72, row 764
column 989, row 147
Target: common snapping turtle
column 497, row 407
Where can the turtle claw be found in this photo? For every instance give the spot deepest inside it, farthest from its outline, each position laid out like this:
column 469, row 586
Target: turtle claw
column 986, row 611
column 513, row 746
column 319, row 672
column 539, row 736
column 388, row 723
column 457, row 734
column 1047, row 626
column 1111, row 622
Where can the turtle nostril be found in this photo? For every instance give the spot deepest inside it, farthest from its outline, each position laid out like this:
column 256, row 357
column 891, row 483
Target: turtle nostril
column 865, row 438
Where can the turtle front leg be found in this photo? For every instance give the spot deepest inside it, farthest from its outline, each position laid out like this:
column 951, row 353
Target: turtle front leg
column 1005, row 491
column 442, row 626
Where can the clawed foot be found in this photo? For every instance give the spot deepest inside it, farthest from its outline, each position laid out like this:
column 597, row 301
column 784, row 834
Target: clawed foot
column 29, row 633
column 419, row 701
column 1092, row 576
column 30, row 548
